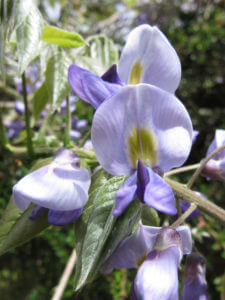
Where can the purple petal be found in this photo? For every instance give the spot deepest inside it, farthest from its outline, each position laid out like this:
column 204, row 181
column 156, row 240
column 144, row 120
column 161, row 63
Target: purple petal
column 218, row 141
column 158, row 275
column 38, row 211
column 90, row 87
column 195, row 134
column 112, row 76
column 143, row 180
column 160, row 114
column 131, row 251
column 159, row 194
column 74, row 134
column 61, row 218
column 125, row 195
column 60, row 185
column 186, row 240
column 158, row 61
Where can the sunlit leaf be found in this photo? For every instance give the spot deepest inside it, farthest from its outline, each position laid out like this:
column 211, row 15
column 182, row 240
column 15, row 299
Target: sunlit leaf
column 56, row 78
column 29, row 34
column 65, row 39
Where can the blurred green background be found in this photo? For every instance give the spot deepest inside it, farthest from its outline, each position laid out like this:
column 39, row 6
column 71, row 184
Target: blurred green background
column 196, row 30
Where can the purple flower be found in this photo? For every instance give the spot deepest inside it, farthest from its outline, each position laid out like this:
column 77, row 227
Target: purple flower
column 215, row 167
column 142, row 132
column 62, row 187
column 19, row 107
column 147, row 57
column 156, row 252
column 195, row 286
column 14, row 128
column 184, row 206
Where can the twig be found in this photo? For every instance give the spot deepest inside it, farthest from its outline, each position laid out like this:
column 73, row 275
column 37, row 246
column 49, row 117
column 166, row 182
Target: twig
column 202, row 166
column 183, row 169
column 65, row 276
column 185, row 215
column 184, row 193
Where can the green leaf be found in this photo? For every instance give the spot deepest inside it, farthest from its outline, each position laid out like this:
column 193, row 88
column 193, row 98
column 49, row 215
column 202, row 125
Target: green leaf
column 121, row 229
column 99, row 55
column 40, row 99
column 16, row 228
column 65, row 39
column 95, row 224
column 57, row 78
column 29, row 34
column 149, row 216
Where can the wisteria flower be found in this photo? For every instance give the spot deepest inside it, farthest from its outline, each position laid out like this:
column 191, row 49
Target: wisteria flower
column 147, row 57
column 142, row 132
column 215, row 167
column 195, row 286
column 156, row 252
column 62, row 187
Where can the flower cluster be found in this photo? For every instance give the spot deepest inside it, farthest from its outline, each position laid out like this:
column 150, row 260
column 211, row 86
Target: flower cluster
column 140, row 130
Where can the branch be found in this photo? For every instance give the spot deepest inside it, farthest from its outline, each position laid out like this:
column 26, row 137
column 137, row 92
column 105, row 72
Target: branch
column 65, row 276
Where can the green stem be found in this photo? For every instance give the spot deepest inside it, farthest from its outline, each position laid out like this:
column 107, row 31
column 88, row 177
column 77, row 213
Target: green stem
column 202, row 166
column 68, row 124
column 183, row 217
column 183, row 169
column 178, row 207
column 184, row 193
column 27, row 118
column 3, row 138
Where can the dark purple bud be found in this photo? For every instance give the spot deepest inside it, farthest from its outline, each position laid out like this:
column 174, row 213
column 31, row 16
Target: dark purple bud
column 142, row 180
column 112, row 76
column 195, row 286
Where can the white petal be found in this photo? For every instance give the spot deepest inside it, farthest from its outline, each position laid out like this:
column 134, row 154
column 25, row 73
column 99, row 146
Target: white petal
column 135, row 107
column 54, row 187
column 149, row 47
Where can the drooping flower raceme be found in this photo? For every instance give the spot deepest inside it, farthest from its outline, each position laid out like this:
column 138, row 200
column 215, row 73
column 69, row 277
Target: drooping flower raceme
column 62, row 187
column 195, row 286
column 156, row 252
column 142, row 132
column 215, row 167
column 147, row 57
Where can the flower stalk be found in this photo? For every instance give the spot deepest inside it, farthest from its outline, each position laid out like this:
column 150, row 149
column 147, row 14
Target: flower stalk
column 30, row 149
column 184, row 193
column 68, row 124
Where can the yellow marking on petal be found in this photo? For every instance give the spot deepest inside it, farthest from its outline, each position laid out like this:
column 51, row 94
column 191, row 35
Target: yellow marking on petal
column 135, row 74
column 141, row 144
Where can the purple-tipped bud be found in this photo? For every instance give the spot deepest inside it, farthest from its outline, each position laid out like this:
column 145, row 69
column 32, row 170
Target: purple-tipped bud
column 195, row 287
column 157, row 277
column 215, row 168
column 15, row 128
